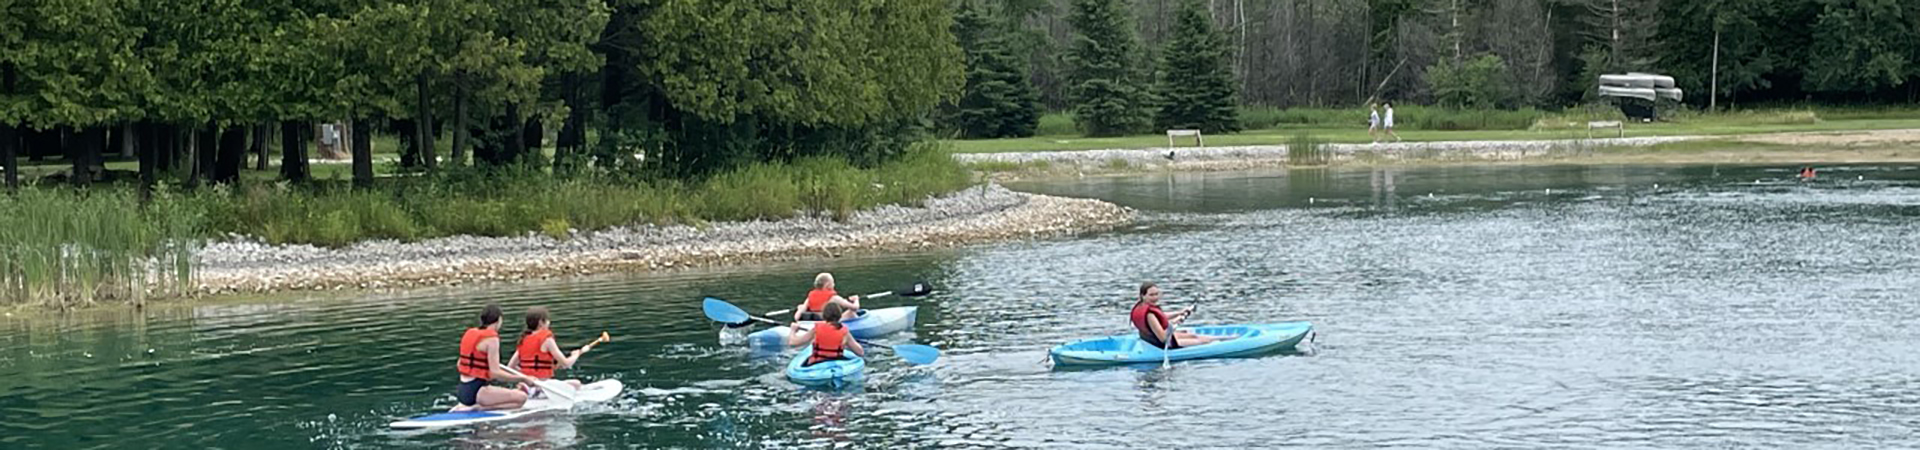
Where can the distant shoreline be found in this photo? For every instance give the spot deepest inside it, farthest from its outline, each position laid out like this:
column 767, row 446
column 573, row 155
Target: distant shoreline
column 1781, row 148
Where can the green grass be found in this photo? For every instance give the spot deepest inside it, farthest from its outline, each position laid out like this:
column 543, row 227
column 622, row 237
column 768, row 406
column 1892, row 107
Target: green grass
column 62, row 247
column 1349, row 126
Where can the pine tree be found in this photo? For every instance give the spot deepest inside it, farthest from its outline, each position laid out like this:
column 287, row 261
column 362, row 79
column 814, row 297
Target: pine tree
column 998, row 101
column 1107, row 96
column 1196, row 85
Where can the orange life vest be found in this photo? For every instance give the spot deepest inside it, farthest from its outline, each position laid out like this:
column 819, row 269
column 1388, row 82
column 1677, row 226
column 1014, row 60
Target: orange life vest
column 473, row 362
column 817, row 300
column 829, row 341
column 534, row 360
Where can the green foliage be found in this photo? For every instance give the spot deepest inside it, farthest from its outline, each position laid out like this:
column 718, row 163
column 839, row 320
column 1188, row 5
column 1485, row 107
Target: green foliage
column 1108, row 94
column 64, row 247
column 1478, row 83
column 1196, row 89
column 1864, row 45
column 998, row 101
column 1305, row 150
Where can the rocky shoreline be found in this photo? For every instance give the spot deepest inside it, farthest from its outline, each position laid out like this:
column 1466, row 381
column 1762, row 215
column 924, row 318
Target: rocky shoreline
column 979, row 214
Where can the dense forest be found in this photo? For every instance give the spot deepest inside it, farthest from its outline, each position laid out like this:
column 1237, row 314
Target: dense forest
column 194, row 87
column 1289, row 53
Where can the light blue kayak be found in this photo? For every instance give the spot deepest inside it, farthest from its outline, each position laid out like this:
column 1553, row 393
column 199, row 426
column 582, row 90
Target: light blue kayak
column 872, row 323
column 828, row 373
column 1252, row 340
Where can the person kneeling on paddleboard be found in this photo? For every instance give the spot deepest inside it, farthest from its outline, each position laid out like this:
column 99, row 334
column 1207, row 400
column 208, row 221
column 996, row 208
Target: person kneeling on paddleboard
column 822, row 295
column 1154, row 331
column 830, row 339
column 479, row 364
column 538, row 355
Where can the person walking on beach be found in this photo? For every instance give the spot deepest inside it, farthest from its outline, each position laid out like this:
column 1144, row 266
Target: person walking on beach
column 1373, row 121
column 1387, row 124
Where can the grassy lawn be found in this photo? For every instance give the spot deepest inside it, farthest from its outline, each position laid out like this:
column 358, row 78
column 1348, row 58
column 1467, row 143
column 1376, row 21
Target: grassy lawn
column 1715, row 125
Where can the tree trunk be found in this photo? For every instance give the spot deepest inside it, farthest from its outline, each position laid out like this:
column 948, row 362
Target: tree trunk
column 90, row 141
column 201, row 149
column 149, row 153
column 9, row 155
column 166, row 140
column 293, row 152
column 123, row 140
column 571, row 149
column 231, row 155
column 260, row 138
column 516, row 135
column 459, row 124
column 535, row 134
column 423, row 123
column 9, row 135
column 362, row 131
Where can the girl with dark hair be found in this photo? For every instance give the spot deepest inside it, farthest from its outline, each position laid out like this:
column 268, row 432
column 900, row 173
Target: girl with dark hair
column 479, row 364
column 830, row 339
column 1154, row 324
column 538, row 355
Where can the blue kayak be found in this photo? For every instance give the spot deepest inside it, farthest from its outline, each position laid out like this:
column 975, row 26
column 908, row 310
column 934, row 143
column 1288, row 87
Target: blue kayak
column 1252, row 340
column 871, row 323
column 828, row 373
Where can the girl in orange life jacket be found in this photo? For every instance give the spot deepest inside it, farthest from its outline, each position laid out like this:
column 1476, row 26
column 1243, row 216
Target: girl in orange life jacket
column 830, row 339
column 479, row 363
column 538, row 356
column 822, row 295
column 1153, row 323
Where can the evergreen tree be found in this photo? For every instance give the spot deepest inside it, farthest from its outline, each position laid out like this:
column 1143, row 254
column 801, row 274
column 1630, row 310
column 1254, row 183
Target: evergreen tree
column 998, row 101
column 1196, row 85
column 1107, row 95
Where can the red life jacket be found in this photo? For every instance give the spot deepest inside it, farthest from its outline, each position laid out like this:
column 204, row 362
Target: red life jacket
column 829, row 342
column 818, row 298
column 1143, row 310
column 534, row 360
column 473, row 362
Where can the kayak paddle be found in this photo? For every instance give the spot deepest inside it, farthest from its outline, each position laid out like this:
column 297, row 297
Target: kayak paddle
column 917, row 289
column 549, row 386
column 723, row 312
column 913, row 353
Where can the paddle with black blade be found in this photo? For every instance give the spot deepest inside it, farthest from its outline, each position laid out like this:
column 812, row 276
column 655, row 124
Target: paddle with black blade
column 917, row 289
column 720, row 311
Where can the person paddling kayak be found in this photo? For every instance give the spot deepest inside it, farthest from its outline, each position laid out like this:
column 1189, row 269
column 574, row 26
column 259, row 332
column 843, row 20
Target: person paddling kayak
column 538, row 355
column 479, row 364
column 1154, row 331
column 830, row 339
column 822, row 295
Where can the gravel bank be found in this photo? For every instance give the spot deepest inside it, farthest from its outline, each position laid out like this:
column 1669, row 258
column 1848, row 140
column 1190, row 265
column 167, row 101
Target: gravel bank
column 1273, row 155
column 986, row 213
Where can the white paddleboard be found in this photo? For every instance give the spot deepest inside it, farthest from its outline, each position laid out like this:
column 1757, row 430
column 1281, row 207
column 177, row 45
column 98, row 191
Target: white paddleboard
column 598, row 391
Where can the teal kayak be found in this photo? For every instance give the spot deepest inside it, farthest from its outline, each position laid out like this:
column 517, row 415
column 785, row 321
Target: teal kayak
column 871, row 323
column 829, row 373
column 1252, row 340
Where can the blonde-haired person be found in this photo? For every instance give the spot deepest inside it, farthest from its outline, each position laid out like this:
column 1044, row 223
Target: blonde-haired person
column 1373, row 121
column 817, row 300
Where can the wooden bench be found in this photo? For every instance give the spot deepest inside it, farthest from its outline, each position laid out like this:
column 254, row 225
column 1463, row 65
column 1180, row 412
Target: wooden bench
column 1197, row 140
column 1615, row 124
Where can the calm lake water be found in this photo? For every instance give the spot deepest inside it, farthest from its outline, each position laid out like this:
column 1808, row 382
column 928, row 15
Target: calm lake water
column 1458, row 307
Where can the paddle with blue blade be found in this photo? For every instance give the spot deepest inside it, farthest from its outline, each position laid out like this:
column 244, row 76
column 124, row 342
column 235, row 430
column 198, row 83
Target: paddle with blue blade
column 912, row 353
column 720, row 311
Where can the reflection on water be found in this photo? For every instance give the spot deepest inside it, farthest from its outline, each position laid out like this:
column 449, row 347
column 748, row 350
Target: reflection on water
column 1459, row 307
